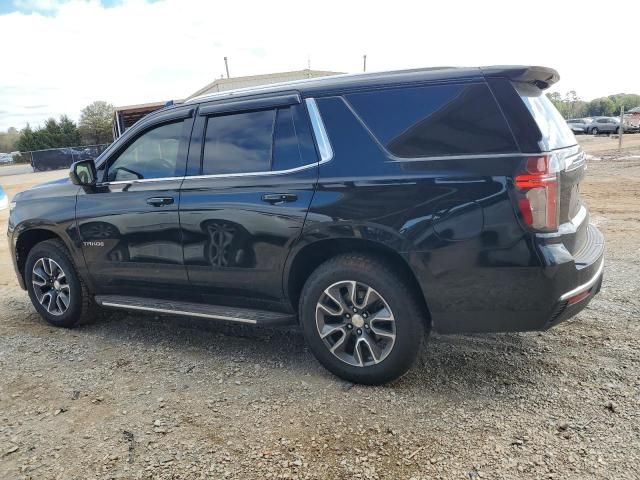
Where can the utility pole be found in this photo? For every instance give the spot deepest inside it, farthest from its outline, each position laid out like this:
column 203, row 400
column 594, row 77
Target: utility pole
column 226, row 66
column 621, row 128
column 364, row 61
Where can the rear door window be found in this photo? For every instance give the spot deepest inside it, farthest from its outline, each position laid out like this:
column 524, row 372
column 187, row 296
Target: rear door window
column 238, row 143
column 435, row 120
column 555, row 131
column 286, row 154
column 253, row 142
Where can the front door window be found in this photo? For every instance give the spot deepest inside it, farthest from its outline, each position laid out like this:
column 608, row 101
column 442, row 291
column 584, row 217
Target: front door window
column 154, row 154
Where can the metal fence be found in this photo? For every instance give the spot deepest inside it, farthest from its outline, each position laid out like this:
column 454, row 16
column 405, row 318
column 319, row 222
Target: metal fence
column 57, row 158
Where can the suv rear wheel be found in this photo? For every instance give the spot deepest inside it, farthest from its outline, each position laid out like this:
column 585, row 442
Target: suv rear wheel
column 56, row 290
column 361, row 319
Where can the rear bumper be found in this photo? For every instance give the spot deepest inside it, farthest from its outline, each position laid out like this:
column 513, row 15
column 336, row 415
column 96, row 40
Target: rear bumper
column 518, row 298
column 565, row 310
column 586, row 274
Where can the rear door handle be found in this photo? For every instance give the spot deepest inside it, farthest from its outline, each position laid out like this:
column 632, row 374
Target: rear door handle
column 160, row 201
column 274, row 198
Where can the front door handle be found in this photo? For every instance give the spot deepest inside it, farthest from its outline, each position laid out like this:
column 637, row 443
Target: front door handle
column 274, row 198
column 160, row 201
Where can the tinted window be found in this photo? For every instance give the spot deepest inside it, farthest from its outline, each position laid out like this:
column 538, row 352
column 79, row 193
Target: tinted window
column 286, row 154
column 238, row 143
column 435, row 120
column 154, row 154
column 555, row 131
column 306, row 143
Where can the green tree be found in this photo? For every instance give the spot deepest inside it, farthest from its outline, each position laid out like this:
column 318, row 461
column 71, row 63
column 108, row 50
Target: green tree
column 27, row 141
column 69, row 132
column 576, row 108
column 628, row 101
column 601, row 106
column 570, row 105
column 53, row 134
column 96, row 122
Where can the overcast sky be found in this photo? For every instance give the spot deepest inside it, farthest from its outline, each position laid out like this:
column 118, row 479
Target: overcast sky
column 58, row 56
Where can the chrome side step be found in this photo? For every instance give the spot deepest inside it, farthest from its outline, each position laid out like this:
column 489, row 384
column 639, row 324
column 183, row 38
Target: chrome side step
column 201, row 310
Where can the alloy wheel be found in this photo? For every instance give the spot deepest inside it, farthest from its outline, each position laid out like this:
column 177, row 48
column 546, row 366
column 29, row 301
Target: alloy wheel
column 50, row 286
column 355, row 323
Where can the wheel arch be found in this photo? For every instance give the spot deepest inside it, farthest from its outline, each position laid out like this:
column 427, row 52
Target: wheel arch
column 28, row 239
column 312, row 255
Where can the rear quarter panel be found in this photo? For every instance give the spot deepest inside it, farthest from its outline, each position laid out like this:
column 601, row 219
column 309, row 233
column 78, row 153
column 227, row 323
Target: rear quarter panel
column 451, row 218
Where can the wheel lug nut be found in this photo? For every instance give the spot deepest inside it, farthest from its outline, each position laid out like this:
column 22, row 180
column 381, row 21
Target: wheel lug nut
column 359, row 332
column 348, row 316
column 349, row 326
column 366, row 327
column 355, row 310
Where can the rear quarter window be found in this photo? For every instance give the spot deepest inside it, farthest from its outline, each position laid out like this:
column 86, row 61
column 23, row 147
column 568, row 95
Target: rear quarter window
column 435, row 120
column 554, row 129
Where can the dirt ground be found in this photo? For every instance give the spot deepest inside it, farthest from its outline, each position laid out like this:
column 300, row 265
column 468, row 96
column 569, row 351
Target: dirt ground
column 135, row 396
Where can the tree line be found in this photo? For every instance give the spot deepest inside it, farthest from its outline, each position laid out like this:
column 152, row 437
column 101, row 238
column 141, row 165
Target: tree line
column 93, row 128
column 571, row 106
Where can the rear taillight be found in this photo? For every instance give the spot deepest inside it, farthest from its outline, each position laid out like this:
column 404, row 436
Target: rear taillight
column 537, row 190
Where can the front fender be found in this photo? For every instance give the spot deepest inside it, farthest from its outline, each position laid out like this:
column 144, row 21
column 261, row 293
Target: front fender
column 35, row 219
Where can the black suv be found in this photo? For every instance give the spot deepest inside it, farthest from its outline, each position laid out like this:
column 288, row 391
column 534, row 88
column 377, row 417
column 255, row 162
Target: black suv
column 369, row 208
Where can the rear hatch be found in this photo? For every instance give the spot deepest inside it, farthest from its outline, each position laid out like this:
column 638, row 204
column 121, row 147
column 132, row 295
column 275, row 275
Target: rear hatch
column 566, row 160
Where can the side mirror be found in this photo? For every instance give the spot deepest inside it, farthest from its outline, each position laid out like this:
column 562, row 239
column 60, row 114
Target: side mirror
column 83, row 173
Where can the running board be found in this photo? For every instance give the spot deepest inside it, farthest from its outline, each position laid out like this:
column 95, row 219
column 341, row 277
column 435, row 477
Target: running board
column 201, row 310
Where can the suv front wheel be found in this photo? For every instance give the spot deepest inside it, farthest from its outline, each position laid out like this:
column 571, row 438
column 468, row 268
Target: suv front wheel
column 361, row 319
column 55, row 288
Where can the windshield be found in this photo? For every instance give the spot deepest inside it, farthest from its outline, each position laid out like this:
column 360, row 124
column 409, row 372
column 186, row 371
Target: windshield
column 555, row 131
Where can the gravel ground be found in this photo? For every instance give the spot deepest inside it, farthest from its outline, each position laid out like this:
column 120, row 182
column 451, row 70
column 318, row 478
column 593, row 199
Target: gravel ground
column 135, row 396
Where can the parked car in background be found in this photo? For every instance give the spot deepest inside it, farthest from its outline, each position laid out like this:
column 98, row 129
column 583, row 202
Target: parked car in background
column 6, row 158
column 604, row 125
column 579, row 125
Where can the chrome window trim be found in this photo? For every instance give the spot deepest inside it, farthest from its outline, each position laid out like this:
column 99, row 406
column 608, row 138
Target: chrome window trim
column 320, row 134
column 216, row 175
column 305, row 167
column 326, row 153
column 319, row 131
column 471, row 156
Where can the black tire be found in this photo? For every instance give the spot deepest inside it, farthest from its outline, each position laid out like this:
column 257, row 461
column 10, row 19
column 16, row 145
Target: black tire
column 617, row 130
column 396, row 292
column 81, row 308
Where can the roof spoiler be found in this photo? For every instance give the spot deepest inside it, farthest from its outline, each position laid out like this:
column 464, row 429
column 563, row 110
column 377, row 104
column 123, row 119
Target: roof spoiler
column 541, row 77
